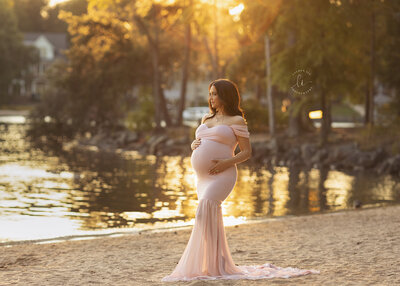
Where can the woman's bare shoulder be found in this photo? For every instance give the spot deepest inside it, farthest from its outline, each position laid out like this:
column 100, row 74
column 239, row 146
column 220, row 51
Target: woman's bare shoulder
column 205, row 116
column 239, row 120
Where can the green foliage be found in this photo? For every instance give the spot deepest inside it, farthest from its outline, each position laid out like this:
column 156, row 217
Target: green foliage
column 109, row 55
column 317, row 44
column 281, row 118
column 256, row 115
column 29, row 15
column 113, row 44
column 53, row 106
column 104, row 63
column 372, row 137
column 37, row 16
column 330, row 39
column 141, row 117
column 53, row 24
column 389, row 72
column 248, row 68
column 304, row 104
column 389, row 112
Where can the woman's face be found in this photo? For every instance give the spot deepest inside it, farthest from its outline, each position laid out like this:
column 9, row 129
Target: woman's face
column 214, row 99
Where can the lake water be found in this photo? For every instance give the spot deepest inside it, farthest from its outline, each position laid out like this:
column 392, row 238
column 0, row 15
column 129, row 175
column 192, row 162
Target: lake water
column 47, row 193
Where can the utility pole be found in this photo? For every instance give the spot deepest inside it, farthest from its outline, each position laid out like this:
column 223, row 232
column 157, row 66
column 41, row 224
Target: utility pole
column 271, row 116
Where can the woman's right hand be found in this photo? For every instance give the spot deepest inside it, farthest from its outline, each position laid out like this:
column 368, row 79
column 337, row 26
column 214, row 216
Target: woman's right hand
column 195, row 143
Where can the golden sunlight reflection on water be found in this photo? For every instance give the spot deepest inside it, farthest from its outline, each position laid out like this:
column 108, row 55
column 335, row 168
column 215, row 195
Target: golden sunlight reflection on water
column 37, row 203
column 85, row 192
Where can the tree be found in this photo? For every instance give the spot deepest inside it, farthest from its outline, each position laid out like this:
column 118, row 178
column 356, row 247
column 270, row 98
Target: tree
column 253, row 65
column 367, row 21
column 157, row 22
column 389, row 71
column 105, row 61
column 187, row 19
column 38, row 16
column 53, row 24
column 30, row 14
column 318, row 45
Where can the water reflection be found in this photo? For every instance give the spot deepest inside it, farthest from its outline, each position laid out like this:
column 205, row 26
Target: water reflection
column 81, row 191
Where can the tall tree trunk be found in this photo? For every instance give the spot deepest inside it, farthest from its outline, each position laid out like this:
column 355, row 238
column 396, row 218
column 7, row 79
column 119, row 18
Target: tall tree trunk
column 153, row 44
column 156, row 85
column 328, row 115
column 294, row 119
column 259, row 91
column 161, row 111
column 216, row 53
column 185, row 70
column 164, row 108
column 211, row 58
column 372, row 79
column 300, row 122
column 366, row 106
column 325, row 123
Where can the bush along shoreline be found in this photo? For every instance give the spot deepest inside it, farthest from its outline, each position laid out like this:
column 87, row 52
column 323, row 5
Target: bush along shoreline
column 341, row 157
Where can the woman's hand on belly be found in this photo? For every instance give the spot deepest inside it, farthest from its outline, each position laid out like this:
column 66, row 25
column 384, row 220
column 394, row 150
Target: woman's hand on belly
column 220, row 166
column 195, row 143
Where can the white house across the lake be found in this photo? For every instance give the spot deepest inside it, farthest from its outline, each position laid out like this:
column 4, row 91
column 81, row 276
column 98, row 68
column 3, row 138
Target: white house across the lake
column 50, row 47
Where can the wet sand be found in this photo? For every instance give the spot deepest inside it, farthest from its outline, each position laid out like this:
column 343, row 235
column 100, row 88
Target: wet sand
column 360, row 247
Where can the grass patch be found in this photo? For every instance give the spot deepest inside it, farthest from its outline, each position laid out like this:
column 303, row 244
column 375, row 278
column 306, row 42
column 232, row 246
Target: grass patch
column 344, row 113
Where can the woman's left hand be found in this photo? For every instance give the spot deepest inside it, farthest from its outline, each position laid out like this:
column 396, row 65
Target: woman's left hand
column 220, row 166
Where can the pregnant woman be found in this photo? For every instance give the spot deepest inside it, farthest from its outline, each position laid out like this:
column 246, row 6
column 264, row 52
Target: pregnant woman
column 207, row 254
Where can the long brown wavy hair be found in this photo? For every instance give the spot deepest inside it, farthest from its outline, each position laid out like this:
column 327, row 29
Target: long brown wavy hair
column 228, row 93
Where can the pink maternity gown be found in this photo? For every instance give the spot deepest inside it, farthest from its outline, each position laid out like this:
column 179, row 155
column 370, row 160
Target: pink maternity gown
column 207, row 254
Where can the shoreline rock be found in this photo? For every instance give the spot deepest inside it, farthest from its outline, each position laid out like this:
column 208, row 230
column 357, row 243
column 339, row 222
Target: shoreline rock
column 345, row 156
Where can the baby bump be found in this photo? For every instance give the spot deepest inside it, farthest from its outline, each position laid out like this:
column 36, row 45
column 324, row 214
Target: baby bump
column 208, row 150
column 216, row 186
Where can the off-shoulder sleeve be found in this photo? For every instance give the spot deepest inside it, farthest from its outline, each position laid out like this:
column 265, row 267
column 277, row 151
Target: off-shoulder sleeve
column 241, row 130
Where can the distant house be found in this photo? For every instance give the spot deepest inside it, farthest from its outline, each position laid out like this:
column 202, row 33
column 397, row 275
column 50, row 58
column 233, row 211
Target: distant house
column 50, row 47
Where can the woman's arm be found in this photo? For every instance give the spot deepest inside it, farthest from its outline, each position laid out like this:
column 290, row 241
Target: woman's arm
column 245, row 151
column 244, row 144
column 243, row 155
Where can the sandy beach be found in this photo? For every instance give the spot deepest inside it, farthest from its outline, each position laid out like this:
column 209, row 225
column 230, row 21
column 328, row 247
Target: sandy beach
column 360, row 247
